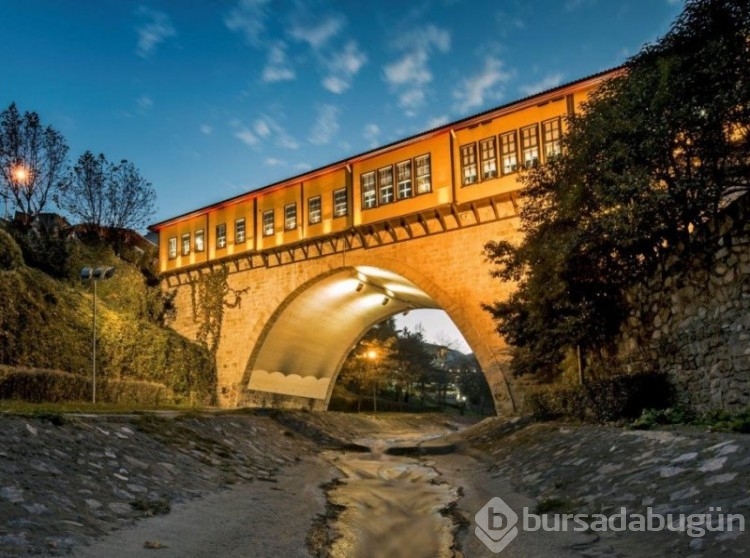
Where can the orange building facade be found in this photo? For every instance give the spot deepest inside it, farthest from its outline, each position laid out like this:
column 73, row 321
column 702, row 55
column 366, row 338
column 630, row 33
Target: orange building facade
column 455, row 164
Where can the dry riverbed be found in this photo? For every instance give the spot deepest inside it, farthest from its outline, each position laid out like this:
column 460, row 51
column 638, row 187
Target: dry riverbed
column 326, row 484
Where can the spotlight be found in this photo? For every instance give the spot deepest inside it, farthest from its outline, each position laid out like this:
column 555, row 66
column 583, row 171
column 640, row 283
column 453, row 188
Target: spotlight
column 386, row 300
column 360, row 286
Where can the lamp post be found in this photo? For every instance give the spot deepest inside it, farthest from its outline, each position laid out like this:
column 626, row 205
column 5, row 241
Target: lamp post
column 20, row 175
column 372, row 357
column 94, row 275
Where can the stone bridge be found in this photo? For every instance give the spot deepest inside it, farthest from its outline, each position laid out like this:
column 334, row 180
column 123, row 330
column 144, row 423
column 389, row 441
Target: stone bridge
column 303, row 308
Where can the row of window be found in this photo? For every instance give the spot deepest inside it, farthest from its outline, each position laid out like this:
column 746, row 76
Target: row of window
column 488, row 153
column 396, row 182
column 315, row 215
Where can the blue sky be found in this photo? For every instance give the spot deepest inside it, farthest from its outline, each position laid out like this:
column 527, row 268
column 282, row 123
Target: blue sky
column 212, row 98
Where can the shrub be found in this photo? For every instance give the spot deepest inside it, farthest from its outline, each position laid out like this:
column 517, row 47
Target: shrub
column 603, row 400
column 11, row 256
column 53, row 386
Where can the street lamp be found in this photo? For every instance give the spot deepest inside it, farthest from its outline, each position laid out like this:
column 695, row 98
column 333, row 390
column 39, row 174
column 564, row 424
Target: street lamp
column 372, row 356
column 94, row 275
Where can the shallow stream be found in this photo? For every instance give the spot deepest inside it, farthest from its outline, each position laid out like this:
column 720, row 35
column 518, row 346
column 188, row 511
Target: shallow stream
column 395, row 506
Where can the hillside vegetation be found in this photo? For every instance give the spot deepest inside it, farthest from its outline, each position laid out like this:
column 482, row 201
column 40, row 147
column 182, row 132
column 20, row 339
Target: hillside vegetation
column 46, row 323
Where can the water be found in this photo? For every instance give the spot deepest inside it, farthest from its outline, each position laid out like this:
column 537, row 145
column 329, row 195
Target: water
column 392, row 504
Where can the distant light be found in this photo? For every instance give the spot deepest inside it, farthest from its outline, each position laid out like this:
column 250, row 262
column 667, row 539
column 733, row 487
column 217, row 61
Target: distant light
column 372, row 354
column 20, row 174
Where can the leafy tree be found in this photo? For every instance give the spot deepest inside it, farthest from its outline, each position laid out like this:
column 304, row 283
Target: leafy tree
column 32, row 160
column 656, row 152
column 104, row 194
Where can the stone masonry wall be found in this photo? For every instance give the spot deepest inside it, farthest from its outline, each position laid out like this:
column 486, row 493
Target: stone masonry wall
column 692, row 319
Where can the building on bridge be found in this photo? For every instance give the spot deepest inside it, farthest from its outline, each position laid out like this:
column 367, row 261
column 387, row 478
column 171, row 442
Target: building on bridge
column 407, row 220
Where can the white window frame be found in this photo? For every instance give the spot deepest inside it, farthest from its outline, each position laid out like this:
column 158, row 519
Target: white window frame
column 172, row 247
column 469, row 171
column 488, row 158
column 185, row 244
column 199, row 240
column 509, row 157
column 340, row 202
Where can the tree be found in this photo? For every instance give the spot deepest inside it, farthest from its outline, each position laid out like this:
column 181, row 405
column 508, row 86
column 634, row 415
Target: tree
column 32, row 160
column 656, row 152
column 104, row 194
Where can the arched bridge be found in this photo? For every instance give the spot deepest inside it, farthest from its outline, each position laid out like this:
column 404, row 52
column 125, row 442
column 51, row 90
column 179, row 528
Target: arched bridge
column 309, row 264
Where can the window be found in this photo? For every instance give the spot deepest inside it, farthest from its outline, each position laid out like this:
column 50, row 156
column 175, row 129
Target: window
column 239, row 231
column 551, row 138
column 469, row 164
column 186, row 244
column 199, row 241
column 290, row 217
column 340, row 203
column 172, row 248
column 268, row 226
column 509, row 151
column 221, row 235
column 530, row 146
column 488, row 153
column 423, row 174
column 385, row 184
column 314, row 212
column 403, row 178
column 369, row 193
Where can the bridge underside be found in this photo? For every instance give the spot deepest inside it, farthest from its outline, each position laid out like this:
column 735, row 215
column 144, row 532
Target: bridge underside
column 302, row 349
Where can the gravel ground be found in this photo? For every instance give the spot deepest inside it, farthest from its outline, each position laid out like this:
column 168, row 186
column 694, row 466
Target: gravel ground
column 250, row 484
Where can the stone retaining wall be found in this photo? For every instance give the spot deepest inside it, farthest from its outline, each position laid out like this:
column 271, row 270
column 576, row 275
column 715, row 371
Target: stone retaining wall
column 692, row 319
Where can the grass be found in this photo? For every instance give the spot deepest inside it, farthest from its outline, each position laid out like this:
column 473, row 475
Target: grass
column 716, row 421
column 16, row 407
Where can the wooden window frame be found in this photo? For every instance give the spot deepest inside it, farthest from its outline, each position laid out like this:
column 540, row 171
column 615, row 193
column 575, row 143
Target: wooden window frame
column 508, row 150
column 337, row 211
column 530, row 144
column 240, row 231
column 407, row 182
column 551, row 136
column 172, row 248
column 265, row 222
column 221, row 235
column 319, row 210
column 468, row 153
column 381, row 186
column 419, row 177
column 200, row 245
column 185, row 240
column 486, row 156
column 288, row 217
column 369, row 202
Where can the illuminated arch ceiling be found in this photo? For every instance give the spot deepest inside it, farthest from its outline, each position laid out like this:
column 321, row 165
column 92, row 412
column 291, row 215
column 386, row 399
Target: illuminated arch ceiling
column 315, row 329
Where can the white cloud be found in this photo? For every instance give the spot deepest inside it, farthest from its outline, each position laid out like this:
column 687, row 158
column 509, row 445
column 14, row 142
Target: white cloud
column 248, row 17
column 246, row 136
column 437, row 121
column 548, row 82
column 318, row 32
column 262, row 129
column 371, row 133
column 342, row 67
column 277, row 66
column 206, row 129
column 326, row 125
column 410, row 74
column 274, row 162
column 144, row 103
column 157, row 29
column 475, row 91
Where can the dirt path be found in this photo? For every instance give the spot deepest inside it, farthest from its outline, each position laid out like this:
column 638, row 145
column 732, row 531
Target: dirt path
column 263, row 519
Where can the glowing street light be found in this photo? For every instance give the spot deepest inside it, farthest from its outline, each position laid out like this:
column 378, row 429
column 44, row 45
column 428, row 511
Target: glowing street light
column 20, row 174
column 94, row 275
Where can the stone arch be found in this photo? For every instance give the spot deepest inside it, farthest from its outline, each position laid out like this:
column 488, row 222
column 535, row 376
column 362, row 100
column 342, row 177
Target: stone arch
column 329, row 301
